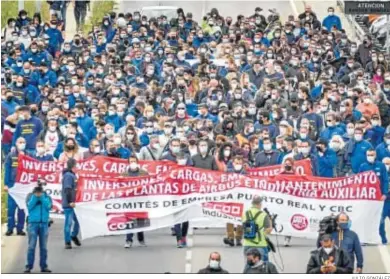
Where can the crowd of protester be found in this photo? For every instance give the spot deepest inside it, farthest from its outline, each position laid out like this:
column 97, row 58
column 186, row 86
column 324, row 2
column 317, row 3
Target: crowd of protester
column 221, row 94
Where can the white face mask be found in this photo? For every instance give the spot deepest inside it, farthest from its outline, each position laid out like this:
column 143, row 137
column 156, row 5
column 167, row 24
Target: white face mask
column 133, row 166
column 267, row 147
column 334, row 145
column 203, row 149
column 21, row 146
column 350, row 131
column 214, row 264
column 226, row 153
column 117, row 140
column 371, row 159
column 96, row 149
column 328, row 250
column 358, row 137
column 40, row 150
column 237, row 167
column 305, row 150
column 182, row 162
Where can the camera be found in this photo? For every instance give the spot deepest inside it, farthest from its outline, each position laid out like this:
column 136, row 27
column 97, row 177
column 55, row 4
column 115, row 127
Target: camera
column 40, row 185
column 328, row 225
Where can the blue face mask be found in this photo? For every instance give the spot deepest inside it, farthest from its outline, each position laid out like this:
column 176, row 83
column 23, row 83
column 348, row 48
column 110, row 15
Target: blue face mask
column 345, row 226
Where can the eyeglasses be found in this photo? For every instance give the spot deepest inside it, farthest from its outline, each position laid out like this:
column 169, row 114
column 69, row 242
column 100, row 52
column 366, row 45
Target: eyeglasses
column 181, row 109
column 148, row 126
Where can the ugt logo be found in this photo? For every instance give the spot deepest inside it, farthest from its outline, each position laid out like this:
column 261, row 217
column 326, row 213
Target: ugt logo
column 124, row 220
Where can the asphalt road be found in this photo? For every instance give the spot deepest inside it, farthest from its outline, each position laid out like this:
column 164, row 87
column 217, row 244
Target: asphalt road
column 107, row 255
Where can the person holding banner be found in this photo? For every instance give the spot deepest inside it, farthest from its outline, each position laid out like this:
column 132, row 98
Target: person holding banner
column 11, row 166
column 41, row 152
column 69, row 186
column 257, row 225
column 133, row 171
column 237, row 166
column 380, row 170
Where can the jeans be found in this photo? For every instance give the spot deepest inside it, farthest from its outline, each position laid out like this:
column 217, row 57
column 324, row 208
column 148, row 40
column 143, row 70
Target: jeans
column 70, row 217
column 79, row 14
column 263, row 251
column 385, row 214
column 181, row 230
column 12, row 206
column 35, row 231
column 140, row 237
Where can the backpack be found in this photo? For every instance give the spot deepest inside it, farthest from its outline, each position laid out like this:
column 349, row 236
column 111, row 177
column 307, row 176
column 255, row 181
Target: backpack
column 251, row 229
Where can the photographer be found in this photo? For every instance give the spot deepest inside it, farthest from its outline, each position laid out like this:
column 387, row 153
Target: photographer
column 38, row 205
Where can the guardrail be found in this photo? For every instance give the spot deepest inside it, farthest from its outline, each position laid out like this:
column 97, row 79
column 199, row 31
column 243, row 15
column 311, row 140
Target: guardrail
column 358, row 31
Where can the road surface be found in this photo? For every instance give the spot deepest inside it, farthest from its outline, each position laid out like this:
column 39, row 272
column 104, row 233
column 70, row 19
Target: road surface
column 107, row 254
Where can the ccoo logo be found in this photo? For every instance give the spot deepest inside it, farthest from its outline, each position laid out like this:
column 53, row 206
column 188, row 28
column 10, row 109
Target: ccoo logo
column 124, row 220
column 299, row 222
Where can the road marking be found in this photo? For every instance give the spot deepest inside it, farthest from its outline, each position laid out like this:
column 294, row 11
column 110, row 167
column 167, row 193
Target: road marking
column 385, row 255
column 188, row 268
column 190, row 243
column 294, row 7
column 188, row 255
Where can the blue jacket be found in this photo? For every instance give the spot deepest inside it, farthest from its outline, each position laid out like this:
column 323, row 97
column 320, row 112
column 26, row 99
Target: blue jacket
column 39, row 208
column 326, row 163
column 69, row 185
column 10, row 168
column 315, row 93
column 25, row 95
column 29, row 130
column 349, row 241
column 55, row 39
column 380, row 170
column 382, row 151
column 209, row 116
column 10, row 106
column 114, row 120
column 331, row 20
column 35, row 57
column 124, row 153
column 377, row 135
column 355, row 154
column 44, row 158
column 85, row 123
column 329, row 132
column 48, row 78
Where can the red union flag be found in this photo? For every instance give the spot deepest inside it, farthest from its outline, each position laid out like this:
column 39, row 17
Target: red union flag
column 118, row 221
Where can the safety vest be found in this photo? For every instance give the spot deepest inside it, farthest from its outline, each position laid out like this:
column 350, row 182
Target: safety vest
column 258, row 241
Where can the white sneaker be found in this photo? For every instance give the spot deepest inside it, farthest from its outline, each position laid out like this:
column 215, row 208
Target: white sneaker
column 142, row 244
column 128, row 244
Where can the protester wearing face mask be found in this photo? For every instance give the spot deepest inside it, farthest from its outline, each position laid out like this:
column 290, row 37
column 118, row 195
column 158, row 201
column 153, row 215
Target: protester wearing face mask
column 337, row 144
column 255, row 264
column 94, row 149
column 331, row 129
column 40, row 153
column 134, row 170
column 29, row 127
column 71, row 149
column 204, row 159
column 214, row 266
column 326, row 159
column 329, row 259
column 346, row 239
column 383, row 149
column 267, row 157
column 355, row 151
column 10, row 169
column 380, row 170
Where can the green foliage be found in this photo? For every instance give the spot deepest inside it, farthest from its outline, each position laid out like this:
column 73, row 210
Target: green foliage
column 98, row 10
column 3, row 201
column 10, row 9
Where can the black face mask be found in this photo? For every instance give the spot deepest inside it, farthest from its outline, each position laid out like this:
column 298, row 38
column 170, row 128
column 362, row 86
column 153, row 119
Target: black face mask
column 112, row 150
column 70, row 147
column 250, row 263
column 9, row 98
column 288, row 168
column 192, row 142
